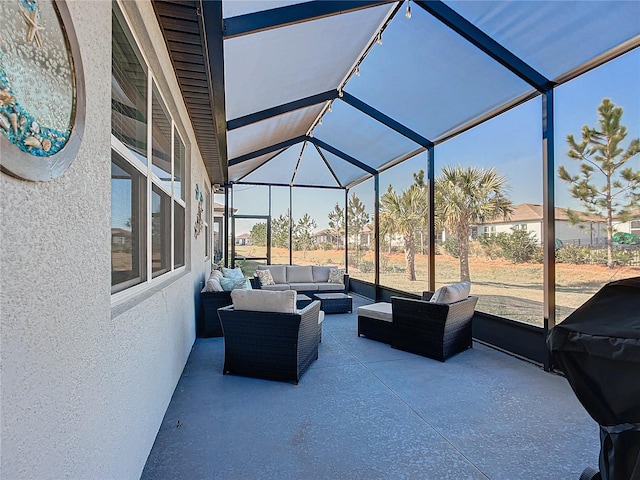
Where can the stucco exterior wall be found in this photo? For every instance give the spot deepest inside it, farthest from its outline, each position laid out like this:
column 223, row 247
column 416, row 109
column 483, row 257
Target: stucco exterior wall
column 564, row 231
column 85, row 383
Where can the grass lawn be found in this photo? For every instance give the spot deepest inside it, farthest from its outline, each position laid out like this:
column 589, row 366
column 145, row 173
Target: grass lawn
column 510, row 290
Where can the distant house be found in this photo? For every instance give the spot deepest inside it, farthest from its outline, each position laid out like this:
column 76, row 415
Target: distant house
column 367, row 236
column 120, row 236
column 327, row 236
column 529, row 216
column 244, row 239
column 632, row 225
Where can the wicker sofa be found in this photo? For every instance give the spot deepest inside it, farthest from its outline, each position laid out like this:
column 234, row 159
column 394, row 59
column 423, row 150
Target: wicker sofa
column 307, row 279
column 275, row 345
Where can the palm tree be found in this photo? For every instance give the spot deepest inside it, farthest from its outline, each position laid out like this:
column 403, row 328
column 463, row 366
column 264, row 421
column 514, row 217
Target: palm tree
column 423, row 230
column 468, row 196
column 403, row 214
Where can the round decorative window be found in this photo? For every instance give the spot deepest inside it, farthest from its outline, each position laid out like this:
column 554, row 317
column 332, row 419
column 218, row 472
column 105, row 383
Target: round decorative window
column 39, row 89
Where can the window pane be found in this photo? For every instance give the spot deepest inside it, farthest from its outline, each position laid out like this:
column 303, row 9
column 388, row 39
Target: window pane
column 361, row 231
column 583, row 254
column 179, row 155
column 488, row 204
column 318, row 238
column 178, row 235
column 280, row 225
column 207, row 222
column 161, row 153
column 128, row 91
column 160, row 232
column 218, row 227
column 404, row 231
column 128, row 252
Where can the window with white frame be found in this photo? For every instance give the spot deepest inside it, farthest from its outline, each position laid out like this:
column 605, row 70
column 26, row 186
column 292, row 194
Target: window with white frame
column 635, row 227
column 147, row 197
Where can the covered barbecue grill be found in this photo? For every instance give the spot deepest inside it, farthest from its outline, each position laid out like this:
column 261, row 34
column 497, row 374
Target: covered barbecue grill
column 598, row 349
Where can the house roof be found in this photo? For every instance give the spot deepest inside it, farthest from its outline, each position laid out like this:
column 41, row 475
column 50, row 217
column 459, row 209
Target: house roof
column 329, row 93
column 219, row 208
column 532, row 212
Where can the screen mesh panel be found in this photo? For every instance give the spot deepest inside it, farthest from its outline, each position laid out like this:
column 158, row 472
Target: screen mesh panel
column 278, row 66
column 430, row 79
column 554, row 37
column 277, row 129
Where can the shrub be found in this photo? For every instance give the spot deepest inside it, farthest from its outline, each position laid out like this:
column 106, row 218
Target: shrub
column 626, row 257
column 395, row 268
column 450, row 246
column 518, row 246
column 366, row 266
column 573, row 254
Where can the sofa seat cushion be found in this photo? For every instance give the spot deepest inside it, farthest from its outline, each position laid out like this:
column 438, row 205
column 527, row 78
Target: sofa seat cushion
column 264, row 301
column 320, row 274
column 278, row 272
column 378, row 311
column 303, row 287
column 330, row 287
column 299, row 274
column 278, row 287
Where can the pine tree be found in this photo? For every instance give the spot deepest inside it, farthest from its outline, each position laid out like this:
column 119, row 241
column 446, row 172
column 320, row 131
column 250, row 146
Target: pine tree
column 336, row 223
column 358, row 218
column 602, row 157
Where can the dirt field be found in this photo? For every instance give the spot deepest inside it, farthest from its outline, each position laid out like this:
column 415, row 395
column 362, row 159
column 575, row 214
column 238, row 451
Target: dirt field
column 510, row 290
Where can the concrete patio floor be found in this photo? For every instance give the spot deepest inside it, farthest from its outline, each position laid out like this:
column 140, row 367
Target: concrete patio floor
column 366, row 411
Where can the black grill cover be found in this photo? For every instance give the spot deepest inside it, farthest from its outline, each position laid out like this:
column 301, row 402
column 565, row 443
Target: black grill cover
column 598, row 349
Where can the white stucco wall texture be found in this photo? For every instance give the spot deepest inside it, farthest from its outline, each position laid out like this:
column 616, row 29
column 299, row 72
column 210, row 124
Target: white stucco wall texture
column 84, row 384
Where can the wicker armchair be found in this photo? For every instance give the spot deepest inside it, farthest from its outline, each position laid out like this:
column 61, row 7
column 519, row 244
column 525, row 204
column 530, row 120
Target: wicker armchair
column 275, row 346
column 434, row 330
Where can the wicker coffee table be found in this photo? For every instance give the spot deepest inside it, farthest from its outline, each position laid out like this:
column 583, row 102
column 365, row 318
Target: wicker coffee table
column 335, row 302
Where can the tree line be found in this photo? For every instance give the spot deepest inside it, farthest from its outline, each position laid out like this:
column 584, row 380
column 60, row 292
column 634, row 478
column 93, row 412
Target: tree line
column 607, row 185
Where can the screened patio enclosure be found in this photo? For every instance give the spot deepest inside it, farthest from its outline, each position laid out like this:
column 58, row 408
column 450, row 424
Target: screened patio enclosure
column 341, row 96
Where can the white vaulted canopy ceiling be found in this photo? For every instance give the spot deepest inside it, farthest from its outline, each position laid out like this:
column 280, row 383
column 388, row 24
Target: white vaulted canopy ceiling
column 328, row 93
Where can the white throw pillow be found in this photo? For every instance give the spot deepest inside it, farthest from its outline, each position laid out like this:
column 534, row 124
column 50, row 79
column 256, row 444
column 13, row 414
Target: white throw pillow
column 213, row 285
column 217, row 274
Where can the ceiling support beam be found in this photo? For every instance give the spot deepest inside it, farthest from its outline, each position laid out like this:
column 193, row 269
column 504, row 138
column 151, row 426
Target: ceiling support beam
column 335, row 177
column 263, row 151
column 386, row 120
column 291, row 15
column 342, row 155
column 280, row 109
column 211, row 28
column 286, row 185
column 484, row 42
